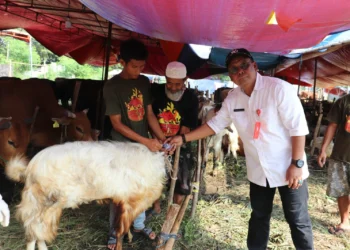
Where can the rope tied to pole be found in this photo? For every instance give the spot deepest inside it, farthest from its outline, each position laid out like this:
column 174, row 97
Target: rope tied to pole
column 165, row 237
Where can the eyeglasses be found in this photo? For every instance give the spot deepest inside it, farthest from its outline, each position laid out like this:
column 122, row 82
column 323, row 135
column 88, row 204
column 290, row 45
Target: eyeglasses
column 235, row 70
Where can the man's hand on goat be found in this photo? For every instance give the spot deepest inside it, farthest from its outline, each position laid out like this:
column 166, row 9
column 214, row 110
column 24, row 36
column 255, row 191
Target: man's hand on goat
column 153, row 145
column 4, row 213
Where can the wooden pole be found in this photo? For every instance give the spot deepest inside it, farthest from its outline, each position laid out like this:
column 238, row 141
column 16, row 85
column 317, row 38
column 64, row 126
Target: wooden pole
column 315, row 75
column 168, row 224
column 76, row 95
column 36, row 111
column 170, row 243
column 108, row 50
column 300, row 64
column 100, row 109
column 173, row 176
column 196, row 183
column 316, row 130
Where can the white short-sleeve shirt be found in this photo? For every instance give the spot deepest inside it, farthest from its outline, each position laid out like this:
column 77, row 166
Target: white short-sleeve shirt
column 281, row 116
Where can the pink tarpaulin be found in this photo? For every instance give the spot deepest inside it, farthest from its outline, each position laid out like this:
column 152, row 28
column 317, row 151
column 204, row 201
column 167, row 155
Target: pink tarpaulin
column 333, row 68
column 228, row 23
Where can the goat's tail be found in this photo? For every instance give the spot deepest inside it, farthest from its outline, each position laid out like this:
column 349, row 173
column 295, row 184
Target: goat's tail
column 16, row 168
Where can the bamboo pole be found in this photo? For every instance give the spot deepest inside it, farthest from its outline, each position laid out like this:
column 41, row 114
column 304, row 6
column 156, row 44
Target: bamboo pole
column 74, row 105
column 76, row 95
column 173, row 176
column 315, row 76
column 196, row 183
column 36, row 111
column 170, row 243
column 318, row 125
column 299, row 78
column 168, row 225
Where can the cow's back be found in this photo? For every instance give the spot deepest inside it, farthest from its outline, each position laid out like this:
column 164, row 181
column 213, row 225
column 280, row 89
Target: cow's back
column 17, row 100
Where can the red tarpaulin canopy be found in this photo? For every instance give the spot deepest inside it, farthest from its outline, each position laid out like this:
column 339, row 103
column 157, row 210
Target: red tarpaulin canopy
column 220, row 23
column 333, row 68
column 228, row 23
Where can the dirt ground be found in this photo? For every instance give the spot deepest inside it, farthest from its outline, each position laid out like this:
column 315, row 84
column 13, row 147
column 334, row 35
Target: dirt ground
column 221, row 220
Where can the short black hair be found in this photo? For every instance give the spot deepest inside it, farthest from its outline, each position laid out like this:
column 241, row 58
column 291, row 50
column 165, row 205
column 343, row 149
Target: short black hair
column 133, row 49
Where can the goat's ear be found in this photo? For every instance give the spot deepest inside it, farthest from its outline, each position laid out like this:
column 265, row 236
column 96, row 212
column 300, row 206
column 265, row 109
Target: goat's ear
column 86, row 111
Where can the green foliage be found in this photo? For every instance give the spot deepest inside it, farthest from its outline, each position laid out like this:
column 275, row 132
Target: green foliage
column 71, row 69
column 17, row 53
column 46, row 55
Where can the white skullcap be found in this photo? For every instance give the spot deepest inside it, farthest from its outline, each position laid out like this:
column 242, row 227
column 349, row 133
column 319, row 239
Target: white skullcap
column 176, row 70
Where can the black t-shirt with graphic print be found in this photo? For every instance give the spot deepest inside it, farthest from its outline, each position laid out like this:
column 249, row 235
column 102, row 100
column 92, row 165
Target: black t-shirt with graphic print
column 172, row 115
column 130, row 99
column 339, row 114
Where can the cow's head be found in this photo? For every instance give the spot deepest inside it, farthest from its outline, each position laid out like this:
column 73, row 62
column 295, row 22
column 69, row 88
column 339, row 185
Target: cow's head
column 14, row 138
column 78, row 127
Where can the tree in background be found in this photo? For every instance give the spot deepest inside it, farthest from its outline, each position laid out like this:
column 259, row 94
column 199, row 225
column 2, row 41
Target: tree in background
column 17, row 53
column 46, row 64
column 46, row 55
column 71, row 69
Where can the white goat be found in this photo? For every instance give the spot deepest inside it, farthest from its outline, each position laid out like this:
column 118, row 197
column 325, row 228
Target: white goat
column 67, row 175
column 226, row 140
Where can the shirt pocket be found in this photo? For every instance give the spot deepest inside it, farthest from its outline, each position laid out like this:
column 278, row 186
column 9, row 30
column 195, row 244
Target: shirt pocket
column 240, row 120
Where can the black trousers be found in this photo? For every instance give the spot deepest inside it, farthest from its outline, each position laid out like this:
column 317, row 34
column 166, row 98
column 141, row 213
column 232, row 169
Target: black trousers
column 294, row 202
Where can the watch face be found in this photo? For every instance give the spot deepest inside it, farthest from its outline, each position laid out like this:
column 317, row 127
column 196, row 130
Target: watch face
column 300, row 163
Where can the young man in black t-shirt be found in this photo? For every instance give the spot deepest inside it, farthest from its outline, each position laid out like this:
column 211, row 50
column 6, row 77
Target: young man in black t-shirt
column 176, row 109
column 128, row 105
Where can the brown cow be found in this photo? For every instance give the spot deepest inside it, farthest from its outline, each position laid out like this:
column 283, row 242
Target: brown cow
column 47, row 132
column 14, row 139
column 19, row 98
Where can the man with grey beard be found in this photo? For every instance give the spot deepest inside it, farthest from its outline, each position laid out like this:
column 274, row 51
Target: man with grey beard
column 176, row 109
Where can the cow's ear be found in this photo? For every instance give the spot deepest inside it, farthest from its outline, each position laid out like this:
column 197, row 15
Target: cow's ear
column 86, row 111
column 62, row 121
column 5, row 118
column 28, row 121
column 5, row 124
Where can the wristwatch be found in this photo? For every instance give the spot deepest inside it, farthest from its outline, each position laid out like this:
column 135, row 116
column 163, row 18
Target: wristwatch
column 298, row 163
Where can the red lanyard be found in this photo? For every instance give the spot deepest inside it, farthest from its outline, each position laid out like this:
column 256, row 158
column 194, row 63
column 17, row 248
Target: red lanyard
column 257, row 125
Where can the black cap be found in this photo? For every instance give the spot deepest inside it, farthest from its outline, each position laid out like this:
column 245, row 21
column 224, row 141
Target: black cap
column 238, row 52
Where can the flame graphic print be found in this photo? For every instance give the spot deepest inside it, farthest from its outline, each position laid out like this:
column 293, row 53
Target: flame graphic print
column 169, row 120
column 135, row 107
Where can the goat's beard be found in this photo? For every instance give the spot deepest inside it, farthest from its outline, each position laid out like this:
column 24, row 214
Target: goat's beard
column 174, row 96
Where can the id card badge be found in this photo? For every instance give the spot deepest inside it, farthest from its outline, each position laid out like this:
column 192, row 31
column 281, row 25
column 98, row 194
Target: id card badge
column 256, row 130
column 257, row 125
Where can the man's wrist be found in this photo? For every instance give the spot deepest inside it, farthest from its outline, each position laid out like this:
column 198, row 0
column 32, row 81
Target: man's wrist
column 299, row 163
column 144, row 140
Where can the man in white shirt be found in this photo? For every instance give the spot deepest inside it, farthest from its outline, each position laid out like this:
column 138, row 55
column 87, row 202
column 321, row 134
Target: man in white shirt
column 271, row 123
